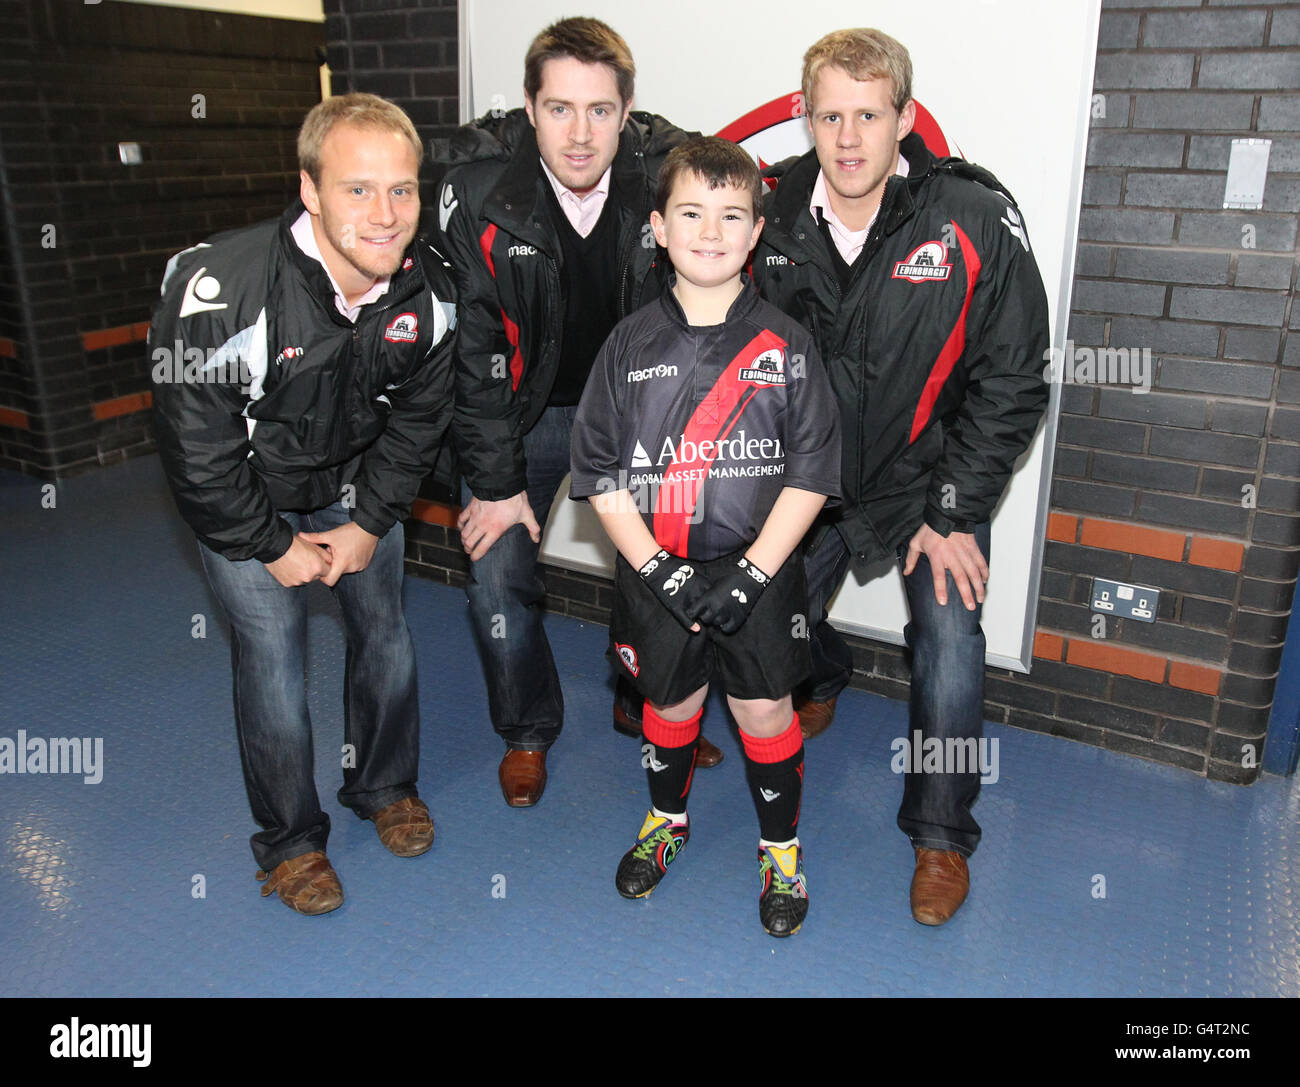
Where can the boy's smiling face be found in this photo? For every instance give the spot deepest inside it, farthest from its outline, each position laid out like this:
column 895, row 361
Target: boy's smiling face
column 708, row 232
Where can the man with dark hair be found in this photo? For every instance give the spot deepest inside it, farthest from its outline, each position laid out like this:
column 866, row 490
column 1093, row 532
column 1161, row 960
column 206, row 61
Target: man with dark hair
column 314, row 393
column 916, row 277
column 545, row 215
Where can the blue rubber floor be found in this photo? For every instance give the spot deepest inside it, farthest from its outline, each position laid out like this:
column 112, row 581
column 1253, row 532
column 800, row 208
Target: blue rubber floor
column 1098, row 874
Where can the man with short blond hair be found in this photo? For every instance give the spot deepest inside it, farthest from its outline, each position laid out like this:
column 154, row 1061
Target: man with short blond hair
column 916, row 275
column 295, row 453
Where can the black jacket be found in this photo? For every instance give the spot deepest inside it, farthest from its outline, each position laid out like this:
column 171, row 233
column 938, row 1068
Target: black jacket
column 497, row 233
column 936, row 349
column 266, row 398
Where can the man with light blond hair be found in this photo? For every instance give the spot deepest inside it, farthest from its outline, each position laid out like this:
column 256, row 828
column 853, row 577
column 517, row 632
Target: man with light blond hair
column 916, row 276
column 294, row 452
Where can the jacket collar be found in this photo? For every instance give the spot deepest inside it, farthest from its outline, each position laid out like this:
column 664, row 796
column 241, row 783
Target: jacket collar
column 517, row 202
column 791, row 223
column 401, row 284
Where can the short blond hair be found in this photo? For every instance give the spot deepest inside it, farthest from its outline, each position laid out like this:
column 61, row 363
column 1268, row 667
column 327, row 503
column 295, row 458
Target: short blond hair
column 363, row 110
column 864, row 53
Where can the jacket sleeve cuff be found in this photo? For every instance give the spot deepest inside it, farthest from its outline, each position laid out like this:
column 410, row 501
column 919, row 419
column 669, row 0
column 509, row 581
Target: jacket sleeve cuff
column 497, row 492
column 945, row 525
column 376, row 526
column 279, row 546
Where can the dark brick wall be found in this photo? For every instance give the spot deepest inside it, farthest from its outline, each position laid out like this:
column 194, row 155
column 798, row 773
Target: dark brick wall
column 90, row 236
column 406, row 51
column 1191, row 488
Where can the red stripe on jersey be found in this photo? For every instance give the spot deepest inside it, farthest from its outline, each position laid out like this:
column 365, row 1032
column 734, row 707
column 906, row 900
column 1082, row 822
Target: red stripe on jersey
column 713, row 419
column 512, row 330
column 955, row 345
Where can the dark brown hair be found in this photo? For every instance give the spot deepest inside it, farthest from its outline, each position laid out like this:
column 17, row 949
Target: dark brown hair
column 587, row 40
column 716, row 162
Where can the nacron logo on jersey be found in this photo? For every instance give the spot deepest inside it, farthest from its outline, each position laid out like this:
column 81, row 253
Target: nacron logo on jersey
column 402, row 329
column 767, row 369
column 924, row 264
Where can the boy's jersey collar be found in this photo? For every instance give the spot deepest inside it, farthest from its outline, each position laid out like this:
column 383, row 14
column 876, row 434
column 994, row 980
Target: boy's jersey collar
column 744, row 302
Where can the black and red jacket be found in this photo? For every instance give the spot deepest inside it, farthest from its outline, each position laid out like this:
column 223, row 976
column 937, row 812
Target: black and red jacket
column 497, row 232
column 266, row 398
column 936, row 349
column 706, row 425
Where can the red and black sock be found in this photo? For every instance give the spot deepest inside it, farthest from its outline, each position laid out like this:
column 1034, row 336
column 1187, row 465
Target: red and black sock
column 670, row 760
column 774, row 768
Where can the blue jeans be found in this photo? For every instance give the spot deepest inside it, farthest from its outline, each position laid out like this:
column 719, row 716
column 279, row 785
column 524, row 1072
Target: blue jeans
column 268, row 650
column 505, row 602
column 947, row 690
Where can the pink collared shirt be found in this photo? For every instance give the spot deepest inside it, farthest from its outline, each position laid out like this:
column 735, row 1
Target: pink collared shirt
column 581, row 211
column 306, row 239
column 848, row 242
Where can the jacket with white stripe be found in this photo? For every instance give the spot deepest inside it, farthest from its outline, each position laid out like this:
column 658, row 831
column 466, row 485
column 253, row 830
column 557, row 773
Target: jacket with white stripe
column 936, row 350
column 266, row 398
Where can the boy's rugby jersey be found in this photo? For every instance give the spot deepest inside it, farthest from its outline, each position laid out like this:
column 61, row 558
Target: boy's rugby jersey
column 704, row 425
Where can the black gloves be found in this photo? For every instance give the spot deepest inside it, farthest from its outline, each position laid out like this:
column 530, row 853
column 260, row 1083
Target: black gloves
column 676, row 584
column 728, row 601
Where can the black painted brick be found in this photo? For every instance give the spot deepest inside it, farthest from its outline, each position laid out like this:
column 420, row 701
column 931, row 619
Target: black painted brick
column 1144, row 472
column 1252, row 690
column 1254, row 660
column 1239, row 418
column 1218, row 483
column 1069, row 677
column 1217, row 378
column 1183, row 577
column 1185, row 734
column 1161, row 408
column 1267, row 595
column 1275, row 528
column 1131, row 745
column 1271, row 562
column 1162, row 699
column 1092, row 498
column 1102, row 434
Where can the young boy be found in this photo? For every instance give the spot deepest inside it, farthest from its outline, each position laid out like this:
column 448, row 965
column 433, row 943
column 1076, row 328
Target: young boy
column 708, row 440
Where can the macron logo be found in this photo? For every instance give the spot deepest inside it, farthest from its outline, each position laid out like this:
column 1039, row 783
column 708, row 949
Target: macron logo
column 521, row 251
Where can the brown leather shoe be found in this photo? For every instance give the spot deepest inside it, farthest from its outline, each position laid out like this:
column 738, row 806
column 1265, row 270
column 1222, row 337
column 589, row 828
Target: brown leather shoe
column 815, row 717
column 405, row 827
column 708, row 756
column 939, row 885
column 307, row 883
column 523, row 777
column 624, row 724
